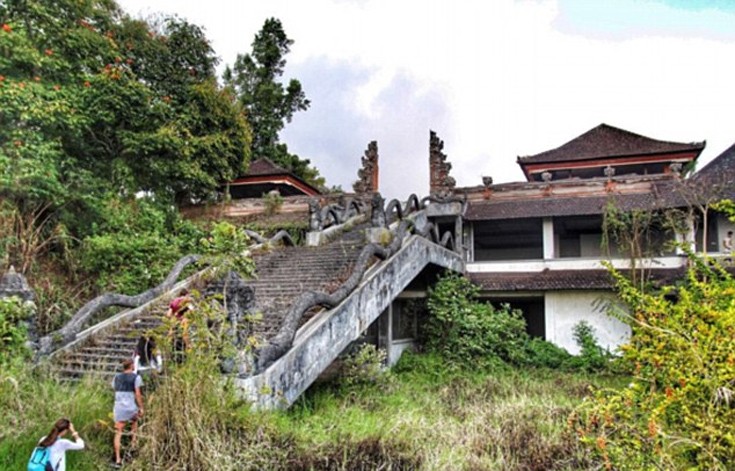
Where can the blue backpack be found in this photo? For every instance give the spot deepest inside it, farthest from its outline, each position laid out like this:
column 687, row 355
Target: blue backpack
column 40, row 459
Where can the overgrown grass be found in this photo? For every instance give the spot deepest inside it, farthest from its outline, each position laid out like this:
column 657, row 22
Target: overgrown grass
column 32, row 400
column 423, row 415
column 431, row 416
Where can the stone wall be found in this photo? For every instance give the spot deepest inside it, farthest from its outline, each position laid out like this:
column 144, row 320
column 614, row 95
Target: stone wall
column 293, row 208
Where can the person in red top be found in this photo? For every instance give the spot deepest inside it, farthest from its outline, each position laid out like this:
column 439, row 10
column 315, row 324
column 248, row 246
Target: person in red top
column 177, row 309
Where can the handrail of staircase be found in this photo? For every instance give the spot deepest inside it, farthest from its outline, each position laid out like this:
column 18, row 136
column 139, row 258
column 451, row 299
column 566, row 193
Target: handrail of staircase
column 68, row 333
column 321, row 218
column 282, row 341
column 280, row 236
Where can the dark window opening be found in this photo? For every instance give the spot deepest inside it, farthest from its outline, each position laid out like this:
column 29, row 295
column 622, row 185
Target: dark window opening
column 533, row 313
column 578, row 236
column 509, row 239
column 713, row 244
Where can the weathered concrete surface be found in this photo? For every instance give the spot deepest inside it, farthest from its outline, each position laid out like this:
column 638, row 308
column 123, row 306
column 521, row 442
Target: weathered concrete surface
column 15, row 284
column 286, row 379
column 317, row 238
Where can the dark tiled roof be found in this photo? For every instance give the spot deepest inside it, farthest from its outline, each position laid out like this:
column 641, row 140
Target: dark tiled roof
column 608, row 141
column 265, row 166
column 664, row 196
column 561, row 280
column 718, row 175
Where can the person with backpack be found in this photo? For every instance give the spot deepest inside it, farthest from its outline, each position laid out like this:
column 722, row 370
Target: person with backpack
column 128, row 405
column 50, row 453
column 146, row 356
column 177, row 310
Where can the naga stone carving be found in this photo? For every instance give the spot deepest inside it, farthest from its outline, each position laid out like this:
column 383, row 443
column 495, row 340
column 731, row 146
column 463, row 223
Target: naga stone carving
column 367, row 181
column 377, row 211
column 237, row 297
column 68, row 332
column 440, row 183
column 315, row 216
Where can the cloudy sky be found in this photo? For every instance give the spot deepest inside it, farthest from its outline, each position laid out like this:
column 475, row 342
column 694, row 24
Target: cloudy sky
column 495, row 79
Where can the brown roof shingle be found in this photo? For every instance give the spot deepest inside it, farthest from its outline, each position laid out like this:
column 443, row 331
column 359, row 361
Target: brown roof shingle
column 718, row 176
column 608, row 141
column 561, row 280
column 265, row 166
column 664, row 195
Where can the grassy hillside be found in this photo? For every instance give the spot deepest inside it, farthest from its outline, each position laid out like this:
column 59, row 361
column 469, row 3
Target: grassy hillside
column 422, row 415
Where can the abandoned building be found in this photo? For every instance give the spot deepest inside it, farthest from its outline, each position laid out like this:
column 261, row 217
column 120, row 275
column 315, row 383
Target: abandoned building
column 538, row 245
column 364, row 269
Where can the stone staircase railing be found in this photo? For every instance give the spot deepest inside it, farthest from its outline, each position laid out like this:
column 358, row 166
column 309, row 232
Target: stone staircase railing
column 409, row 215
column 285, row 378
column 71, row 333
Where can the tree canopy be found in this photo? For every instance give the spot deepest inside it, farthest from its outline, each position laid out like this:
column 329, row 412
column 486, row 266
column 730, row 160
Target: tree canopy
column 270, row 104
column 92, row 101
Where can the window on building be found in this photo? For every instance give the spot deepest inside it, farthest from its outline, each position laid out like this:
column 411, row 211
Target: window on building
column 533, row 311
column 509, row 239
column 578, row 236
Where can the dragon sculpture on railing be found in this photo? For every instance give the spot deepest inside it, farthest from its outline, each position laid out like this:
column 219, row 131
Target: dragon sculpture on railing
column 380, row 215
column 68, row 332
column 321, row 218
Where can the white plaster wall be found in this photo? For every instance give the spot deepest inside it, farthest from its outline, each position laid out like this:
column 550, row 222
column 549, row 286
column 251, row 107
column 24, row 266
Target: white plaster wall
column 565, row 309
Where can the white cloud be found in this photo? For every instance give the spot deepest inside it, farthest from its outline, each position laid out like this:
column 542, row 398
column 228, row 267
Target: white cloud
column 494, row 79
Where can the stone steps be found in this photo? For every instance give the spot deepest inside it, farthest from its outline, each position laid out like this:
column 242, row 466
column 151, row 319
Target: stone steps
column 282, row 275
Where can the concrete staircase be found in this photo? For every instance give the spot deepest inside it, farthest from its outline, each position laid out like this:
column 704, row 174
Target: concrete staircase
column 320, row 342
column 102, row 353
column 284, row 274
column 281, row 276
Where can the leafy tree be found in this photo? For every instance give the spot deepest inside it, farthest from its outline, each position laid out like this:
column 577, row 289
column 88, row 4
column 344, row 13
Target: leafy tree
column 269, row 103
column 93, row 100
column 463, row 329
column 94, row 104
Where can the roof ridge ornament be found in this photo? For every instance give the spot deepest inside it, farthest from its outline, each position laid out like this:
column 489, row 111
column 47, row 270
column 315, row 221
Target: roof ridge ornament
column 440, row 183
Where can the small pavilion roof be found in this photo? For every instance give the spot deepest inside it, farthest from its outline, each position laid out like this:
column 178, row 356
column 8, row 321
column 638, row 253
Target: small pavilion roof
column 264, row 166
column 263, row 172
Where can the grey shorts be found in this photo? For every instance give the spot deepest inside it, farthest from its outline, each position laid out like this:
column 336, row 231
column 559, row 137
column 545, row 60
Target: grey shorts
column 124, row 414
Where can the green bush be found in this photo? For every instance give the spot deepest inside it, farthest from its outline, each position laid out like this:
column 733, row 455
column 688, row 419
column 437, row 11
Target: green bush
column 364, row 366
column 541, row 353
column 128, row 263
column 13, row 332
column 227, row 247
column 135, row 245
column 678, row 412
column 592, row 357
column 462, row 329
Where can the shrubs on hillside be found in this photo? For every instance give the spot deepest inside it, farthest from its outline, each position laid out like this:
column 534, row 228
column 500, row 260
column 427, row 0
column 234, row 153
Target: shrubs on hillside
column 463, row 329
column 466, row 330
column 135, row 245
column 13, row 332
column 678, row 412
